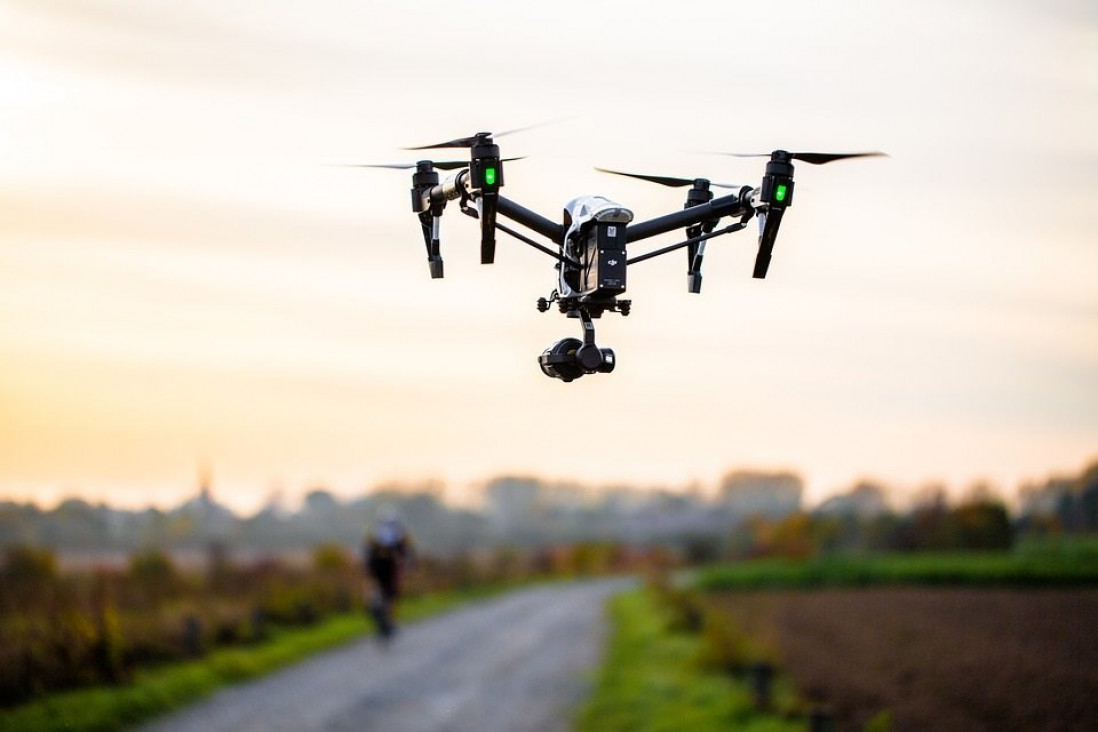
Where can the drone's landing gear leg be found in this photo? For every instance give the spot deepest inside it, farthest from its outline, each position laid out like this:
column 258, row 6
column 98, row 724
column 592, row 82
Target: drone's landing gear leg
column 693, row 272
column 430, row 223
column 695, row 254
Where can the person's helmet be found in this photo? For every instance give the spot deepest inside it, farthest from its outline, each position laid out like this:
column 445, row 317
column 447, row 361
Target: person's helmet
column 389, row 530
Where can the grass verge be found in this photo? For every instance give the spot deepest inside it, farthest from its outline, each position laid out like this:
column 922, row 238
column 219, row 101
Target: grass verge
column 158, row 690
column 652, row 680
column 1017, row 569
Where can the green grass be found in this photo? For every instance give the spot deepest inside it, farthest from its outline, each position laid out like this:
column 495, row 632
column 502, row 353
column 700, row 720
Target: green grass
column 1031, row 567
column 651, row 681
column 1071, row 548
column 158, row 690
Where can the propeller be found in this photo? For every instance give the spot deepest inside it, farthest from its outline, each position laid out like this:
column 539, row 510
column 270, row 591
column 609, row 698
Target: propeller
column 776, row 193
column 477, row 138
column 812, row 158
column 665, row 180
column 442, row 165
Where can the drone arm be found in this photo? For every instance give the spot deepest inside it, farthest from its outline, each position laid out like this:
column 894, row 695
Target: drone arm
column 533, row 221
column 430, row 200
column 468, row 211
column 460, row 184
column 540, row 247
column 736, row 204
column 435, row 197
column 731, row 228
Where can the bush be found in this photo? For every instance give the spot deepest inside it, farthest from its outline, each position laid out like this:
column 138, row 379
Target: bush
column 28, row 565
column 724, row 647
column 331, row 558
column 685, row 612
column 153, row 576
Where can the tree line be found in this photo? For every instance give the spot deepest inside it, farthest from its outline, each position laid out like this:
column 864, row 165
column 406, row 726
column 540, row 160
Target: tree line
column 749, row 511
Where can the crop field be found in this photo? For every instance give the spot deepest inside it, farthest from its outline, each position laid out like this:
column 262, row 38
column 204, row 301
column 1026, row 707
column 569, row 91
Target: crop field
column 933, row 658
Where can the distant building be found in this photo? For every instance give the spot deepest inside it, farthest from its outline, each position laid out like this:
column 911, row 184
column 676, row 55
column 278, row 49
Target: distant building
column 211, row 520
column 1044, row 499
column 514, row 502
column 745, row 493
column 864, row 500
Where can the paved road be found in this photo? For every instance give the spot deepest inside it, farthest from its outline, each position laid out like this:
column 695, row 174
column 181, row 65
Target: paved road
column 518, row 663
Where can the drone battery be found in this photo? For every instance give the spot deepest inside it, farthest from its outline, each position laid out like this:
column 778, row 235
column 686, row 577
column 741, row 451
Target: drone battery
column 604, row 270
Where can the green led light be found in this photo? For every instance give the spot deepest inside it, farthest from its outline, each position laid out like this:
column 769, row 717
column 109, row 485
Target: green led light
column 490, row 176
column 779, row 192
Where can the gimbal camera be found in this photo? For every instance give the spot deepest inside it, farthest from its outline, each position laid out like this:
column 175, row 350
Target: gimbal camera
column 590, row 245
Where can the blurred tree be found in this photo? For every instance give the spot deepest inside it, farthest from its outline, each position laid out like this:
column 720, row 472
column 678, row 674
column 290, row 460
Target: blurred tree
column 153, row 574
column 792, row 536
column 29, row 565
column 19, row 524
column 331, row 558
column 321, row 503
column 983, row 525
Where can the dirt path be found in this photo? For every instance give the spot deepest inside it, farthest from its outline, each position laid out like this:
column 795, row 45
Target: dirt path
column 513, row 664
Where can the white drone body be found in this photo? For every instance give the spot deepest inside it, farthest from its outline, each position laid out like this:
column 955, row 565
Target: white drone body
column 594, row 237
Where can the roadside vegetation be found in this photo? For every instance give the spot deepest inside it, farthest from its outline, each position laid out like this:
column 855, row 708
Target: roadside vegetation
column 1036, row 564
column 104, row 649
column 669, row 666
column 155, row 690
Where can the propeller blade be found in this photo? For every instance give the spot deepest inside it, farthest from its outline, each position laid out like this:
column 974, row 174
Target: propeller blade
column 665, row 180
column 812, row 158
column 821, row 158
column 527, row 127
column 442, row 165
column 460, row 142
column 472, row 140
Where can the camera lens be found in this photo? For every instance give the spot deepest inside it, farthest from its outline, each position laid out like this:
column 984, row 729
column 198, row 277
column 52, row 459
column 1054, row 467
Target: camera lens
column 559, row 360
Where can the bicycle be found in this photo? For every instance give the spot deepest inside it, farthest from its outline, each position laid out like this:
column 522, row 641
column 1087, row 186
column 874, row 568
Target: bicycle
column 380, row 609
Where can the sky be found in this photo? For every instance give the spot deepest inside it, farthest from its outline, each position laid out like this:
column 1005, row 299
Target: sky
column 190, row 281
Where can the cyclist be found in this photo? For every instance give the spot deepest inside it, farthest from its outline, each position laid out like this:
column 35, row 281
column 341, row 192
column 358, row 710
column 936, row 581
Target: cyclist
column 388, row 551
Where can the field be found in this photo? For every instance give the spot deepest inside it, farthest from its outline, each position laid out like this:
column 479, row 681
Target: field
column 945, row 659
column 881, row 643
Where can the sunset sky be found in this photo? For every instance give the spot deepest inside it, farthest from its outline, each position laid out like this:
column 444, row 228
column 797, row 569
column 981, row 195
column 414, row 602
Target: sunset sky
column 188, row 279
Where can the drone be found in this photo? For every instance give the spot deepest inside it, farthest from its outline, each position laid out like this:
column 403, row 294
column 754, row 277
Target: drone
column 590, row 245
